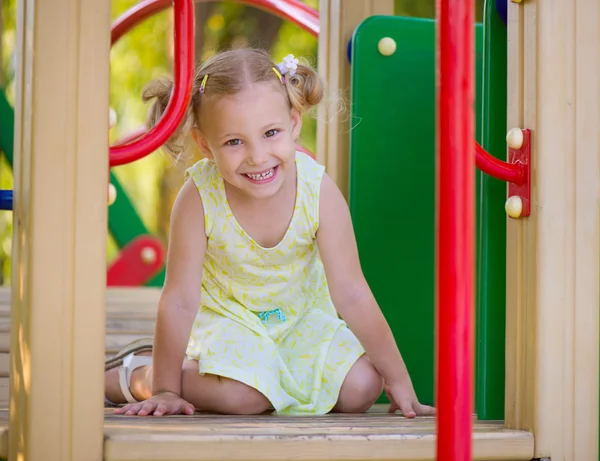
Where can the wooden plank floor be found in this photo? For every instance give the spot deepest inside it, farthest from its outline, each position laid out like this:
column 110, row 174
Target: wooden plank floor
column 130, row 314
column 372, row 436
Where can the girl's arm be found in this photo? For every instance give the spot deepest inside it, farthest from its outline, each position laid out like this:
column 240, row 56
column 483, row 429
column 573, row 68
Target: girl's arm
column 354, row 300
column 180, row 298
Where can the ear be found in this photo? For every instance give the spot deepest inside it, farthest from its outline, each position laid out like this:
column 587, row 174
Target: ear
column 202, row 143
column 296, row 118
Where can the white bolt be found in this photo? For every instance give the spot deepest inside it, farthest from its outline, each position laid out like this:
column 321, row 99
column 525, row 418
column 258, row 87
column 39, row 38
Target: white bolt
column 387, row 46
column 112, row 117
column 514, row 138
column 514, row 206
column 112, row 194
column 148, row 255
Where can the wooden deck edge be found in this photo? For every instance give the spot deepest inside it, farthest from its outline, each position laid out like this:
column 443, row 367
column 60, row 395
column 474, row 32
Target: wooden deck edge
column 504, row 446
column 495, row 445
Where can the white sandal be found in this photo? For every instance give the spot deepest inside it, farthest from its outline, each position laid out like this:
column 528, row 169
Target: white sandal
column 127, row 361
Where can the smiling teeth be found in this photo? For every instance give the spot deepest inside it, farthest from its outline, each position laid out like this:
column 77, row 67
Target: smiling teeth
column 262, row 176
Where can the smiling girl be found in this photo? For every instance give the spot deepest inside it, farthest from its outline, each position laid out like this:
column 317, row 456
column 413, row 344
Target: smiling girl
column 264, row 305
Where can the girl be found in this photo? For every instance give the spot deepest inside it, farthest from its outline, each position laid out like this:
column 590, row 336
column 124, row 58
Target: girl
column 262, row 242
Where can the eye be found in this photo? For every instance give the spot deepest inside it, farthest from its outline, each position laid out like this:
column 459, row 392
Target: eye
column 233, row 142
column 271, row 133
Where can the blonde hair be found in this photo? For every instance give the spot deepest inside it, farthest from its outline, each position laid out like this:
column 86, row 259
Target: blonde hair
column 229, row 73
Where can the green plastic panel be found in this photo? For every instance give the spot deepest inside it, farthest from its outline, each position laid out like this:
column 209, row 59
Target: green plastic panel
column 125, row 224
column 491, row 254
column 392, row 179
column 7, row 128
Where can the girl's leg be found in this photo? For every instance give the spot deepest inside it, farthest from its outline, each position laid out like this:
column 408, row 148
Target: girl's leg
column 361, row 388
column 206, row 392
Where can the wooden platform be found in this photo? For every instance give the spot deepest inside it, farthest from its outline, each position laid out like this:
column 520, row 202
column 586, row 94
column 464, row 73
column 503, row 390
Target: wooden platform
column 130, row 314
column 373, row 436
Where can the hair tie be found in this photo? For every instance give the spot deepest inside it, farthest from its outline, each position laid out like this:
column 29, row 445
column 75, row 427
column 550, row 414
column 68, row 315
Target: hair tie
column 203, row 84
column 279, row 76
column 289, row 65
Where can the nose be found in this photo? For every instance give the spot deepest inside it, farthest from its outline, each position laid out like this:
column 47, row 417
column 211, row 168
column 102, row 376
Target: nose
column 257, row 157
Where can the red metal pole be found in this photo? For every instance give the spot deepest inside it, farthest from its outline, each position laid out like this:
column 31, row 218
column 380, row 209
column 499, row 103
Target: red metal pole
column 455, row 228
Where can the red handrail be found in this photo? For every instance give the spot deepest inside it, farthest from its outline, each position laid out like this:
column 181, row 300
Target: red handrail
column 182, row 91
column 137, row 145
column 130, row 137
column 509, row 172
column 455, row 235
column 293, row 10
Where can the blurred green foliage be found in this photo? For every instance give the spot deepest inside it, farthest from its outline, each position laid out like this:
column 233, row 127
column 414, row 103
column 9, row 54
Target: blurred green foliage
column 145, row 53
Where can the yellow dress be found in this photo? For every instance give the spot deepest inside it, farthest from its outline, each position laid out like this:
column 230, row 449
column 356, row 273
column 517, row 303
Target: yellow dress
column 266, row 317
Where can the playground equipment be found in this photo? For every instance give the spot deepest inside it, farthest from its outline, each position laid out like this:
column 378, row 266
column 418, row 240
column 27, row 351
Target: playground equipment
column 124, row 223
column 58, row 317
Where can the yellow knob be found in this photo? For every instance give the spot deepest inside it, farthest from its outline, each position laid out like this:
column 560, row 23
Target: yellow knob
column 514, row 206
column 112, row 194
column 387, row 46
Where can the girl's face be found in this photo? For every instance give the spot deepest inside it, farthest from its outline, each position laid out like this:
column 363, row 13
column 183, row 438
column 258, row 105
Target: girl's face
column 251, row 137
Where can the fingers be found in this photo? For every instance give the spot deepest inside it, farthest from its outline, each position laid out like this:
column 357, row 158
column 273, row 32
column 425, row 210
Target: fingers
column 406, row 408
column 393, row 407
column 189, row 409
column 161, row 409
column 150, row 407
column 426, row 410
column 133, row 409
column 120, row 410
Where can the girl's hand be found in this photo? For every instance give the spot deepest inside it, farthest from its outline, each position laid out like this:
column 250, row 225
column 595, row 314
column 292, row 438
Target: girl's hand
column 163, row 404
column 402, row 397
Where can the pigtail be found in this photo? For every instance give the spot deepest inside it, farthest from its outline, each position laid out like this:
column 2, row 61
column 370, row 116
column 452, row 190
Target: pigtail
column 159, row 92
column 304, row 88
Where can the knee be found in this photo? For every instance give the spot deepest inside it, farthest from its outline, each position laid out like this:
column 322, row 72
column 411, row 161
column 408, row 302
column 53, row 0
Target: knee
column 245, row 400
column 361, row 391
column 367, row 391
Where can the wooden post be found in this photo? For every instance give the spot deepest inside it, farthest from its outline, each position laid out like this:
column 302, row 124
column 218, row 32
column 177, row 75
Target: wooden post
column 337, row 25
column 552, row 256
column 59, row 245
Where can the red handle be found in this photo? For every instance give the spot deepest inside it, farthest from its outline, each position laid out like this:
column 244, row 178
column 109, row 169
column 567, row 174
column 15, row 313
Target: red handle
column 182, row 91
column 509, row 172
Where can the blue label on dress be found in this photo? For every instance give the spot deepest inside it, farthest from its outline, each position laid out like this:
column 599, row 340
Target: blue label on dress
column 265, row 315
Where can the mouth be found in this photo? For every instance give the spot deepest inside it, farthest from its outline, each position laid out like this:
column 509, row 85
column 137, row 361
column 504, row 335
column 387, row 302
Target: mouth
column 262, row 177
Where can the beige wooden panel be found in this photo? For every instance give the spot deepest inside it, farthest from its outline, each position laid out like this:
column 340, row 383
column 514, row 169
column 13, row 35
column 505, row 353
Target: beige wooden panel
column 59, row 262
column 552, row 257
